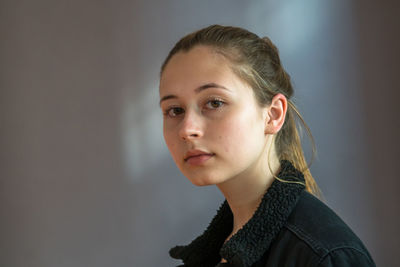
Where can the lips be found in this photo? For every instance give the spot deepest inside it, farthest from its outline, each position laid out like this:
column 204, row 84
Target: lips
column 197, row 157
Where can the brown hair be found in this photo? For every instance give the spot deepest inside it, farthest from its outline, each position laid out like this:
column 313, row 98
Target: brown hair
column 256, row 61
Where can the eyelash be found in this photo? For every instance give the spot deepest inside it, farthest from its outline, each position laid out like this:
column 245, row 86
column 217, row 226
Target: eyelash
column 220, row 102
column 168, row 111
column 216, row 100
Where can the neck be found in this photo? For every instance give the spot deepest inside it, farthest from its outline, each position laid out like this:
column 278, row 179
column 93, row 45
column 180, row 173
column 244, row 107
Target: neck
column 244, row 192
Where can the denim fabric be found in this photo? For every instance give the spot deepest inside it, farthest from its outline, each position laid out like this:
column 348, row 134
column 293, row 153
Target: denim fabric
column 290, row 228
column 315, row 236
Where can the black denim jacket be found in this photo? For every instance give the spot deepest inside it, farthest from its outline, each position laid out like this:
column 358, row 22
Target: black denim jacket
column 289, row 228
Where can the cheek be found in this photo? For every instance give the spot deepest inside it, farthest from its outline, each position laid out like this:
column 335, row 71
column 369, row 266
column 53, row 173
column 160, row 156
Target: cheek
column 241, row 133
column 170, row 140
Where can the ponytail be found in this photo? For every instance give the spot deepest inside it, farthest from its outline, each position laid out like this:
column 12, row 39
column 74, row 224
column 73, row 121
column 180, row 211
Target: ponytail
column 256, row 60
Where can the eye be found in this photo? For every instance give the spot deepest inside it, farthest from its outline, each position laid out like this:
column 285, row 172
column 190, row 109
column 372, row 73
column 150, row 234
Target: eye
column 174, row 111
column 215, row 103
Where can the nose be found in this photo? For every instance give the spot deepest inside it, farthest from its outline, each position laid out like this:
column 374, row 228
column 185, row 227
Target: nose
column 191, row 127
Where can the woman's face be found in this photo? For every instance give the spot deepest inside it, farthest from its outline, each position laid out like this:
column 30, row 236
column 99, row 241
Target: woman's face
column 213, row 126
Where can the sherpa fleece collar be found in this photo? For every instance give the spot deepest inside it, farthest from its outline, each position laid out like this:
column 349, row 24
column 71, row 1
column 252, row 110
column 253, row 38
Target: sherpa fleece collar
column 250, row 243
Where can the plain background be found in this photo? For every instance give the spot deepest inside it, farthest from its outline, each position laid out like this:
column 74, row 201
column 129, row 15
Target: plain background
column 85, row 177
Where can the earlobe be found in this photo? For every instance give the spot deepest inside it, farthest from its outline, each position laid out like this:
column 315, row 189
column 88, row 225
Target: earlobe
column 276, row 113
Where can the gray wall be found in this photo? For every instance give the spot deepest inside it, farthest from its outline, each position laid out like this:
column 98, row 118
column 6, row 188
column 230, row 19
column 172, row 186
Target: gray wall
column 85, row 178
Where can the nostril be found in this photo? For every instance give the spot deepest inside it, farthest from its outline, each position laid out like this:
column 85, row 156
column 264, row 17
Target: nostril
column 190, row 135
column 190, row 127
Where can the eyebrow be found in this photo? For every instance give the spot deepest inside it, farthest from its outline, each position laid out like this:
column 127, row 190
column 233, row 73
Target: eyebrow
column 197, row 90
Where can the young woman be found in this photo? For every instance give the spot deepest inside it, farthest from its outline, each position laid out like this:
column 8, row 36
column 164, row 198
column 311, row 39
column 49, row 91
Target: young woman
column 229, row 122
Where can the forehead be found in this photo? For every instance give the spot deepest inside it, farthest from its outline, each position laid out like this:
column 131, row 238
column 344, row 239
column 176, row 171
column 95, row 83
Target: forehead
column 199, row 65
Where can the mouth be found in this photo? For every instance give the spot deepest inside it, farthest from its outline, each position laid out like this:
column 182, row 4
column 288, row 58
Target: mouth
column 197, row 157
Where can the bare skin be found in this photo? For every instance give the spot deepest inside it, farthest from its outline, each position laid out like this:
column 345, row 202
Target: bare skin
column 216, row 131
column 244, row 196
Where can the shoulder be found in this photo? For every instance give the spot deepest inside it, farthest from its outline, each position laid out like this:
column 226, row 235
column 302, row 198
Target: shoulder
column 316, row 236
column 318, row 225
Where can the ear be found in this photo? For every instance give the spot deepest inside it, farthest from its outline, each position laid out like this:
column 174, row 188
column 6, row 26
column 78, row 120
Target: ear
column 275, row 114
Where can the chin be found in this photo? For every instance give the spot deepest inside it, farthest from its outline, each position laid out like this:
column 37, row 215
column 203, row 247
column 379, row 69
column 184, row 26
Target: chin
column 200, row 183
column 204, row 180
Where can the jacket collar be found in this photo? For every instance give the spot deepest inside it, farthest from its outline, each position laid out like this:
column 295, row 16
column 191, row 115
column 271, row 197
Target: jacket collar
column 250, row 243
